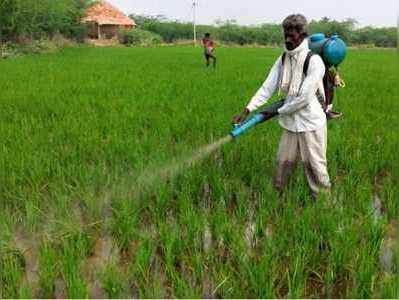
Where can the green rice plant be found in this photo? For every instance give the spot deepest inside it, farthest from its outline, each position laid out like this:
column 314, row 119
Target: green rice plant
column 102, row 141
column 48, row 268
column 113, row 282
column 141, row 267
column 74, row 247
column 125, row 216
column 11, row 272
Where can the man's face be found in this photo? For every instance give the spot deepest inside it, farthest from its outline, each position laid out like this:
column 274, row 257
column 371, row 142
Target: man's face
column 292, row 39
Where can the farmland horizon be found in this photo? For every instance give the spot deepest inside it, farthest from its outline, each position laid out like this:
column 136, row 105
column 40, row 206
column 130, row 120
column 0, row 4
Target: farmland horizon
column 257, row 12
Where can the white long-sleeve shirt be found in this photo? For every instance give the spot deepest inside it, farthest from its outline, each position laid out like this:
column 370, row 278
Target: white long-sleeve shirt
column 299, row 113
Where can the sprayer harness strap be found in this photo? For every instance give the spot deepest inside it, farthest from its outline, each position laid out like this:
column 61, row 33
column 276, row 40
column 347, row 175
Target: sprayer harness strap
column 305, row 65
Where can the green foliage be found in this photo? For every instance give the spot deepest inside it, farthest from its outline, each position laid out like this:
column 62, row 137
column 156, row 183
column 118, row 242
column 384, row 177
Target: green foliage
column 330, row 27
column 266, row 34
column 74, row 248
column 170, row 31
column 10, row 49
column 11, row 271
column 381, row 37
column 113, row 282
column 124, row 222
column 25, row 20
column 76, row 138
column 138, row 37
column 47, row 269
column 35, row 19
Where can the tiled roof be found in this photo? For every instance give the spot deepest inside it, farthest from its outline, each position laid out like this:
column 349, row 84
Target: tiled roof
column 104, row 13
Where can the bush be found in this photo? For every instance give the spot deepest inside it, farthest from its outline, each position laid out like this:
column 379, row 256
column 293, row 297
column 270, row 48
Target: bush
column 9, row 49
column 40, row 46
column 62, row 42
column 138, row 37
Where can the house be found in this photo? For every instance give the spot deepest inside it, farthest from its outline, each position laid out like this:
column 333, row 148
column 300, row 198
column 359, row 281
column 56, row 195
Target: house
column 104, row 20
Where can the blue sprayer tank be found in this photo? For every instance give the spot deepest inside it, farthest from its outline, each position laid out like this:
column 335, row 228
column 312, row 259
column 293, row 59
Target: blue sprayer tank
column 332, row 49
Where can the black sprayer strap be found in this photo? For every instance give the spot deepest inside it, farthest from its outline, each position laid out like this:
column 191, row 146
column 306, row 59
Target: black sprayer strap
column 307, row 62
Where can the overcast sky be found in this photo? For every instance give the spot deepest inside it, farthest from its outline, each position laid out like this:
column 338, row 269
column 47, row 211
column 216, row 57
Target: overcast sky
column 367, row 12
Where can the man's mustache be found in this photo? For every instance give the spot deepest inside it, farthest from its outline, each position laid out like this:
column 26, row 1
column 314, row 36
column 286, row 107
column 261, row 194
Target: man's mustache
column 289, row 45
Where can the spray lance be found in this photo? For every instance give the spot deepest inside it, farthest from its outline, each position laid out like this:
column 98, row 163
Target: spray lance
column 269, row 112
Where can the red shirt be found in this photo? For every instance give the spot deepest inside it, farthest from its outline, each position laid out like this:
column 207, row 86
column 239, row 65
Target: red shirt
column 208, row 43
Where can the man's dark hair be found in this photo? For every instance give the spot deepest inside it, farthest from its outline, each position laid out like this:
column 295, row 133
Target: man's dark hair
column 207, row 34
column 297, row 22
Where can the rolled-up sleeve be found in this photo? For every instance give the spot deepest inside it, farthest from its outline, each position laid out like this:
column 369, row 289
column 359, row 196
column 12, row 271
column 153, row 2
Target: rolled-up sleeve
column 309, row 87
column 268, row 88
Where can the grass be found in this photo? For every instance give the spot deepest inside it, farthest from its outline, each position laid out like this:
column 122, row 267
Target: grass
column 78, row 129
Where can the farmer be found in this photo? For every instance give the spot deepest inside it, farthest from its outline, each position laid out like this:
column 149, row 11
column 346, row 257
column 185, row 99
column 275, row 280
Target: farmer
column 209, row 47
column 301, row 117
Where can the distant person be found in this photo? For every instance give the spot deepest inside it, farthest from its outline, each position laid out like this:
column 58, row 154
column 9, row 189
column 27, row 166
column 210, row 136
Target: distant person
column 209, row 47
column 302, row 117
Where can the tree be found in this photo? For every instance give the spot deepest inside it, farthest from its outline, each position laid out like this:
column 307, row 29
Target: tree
column 40, row 18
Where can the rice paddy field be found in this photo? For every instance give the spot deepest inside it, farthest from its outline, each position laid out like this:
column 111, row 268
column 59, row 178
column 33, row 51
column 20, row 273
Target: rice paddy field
column 106, row 189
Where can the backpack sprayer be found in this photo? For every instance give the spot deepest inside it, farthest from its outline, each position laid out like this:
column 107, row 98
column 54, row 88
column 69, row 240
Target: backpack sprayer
column 333, row 52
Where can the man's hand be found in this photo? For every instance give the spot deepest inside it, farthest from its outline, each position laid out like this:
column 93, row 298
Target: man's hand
column 338, row 81
column 241, row 117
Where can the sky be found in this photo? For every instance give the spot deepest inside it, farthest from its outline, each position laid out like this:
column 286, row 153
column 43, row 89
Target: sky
column 251, row 12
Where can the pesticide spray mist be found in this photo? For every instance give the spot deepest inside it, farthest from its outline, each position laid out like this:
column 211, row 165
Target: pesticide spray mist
column 157, row 175
column 151, row 177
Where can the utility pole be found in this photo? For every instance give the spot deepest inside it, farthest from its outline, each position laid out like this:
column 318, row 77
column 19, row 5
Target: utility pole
column 195, row 22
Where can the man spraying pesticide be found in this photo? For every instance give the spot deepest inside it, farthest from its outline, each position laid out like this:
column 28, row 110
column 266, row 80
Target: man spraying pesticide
column 298, row 73
column 333, row 51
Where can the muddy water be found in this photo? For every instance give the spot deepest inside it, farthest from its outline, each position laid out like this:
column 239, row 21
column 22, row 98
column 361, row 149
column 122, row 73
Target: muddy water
column 104, row 252
column 389, row 247
column 28, row 245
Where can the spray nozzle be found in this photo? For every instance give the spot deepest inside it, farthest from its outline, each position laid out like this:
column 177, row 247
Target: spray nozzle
column 269, row 112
